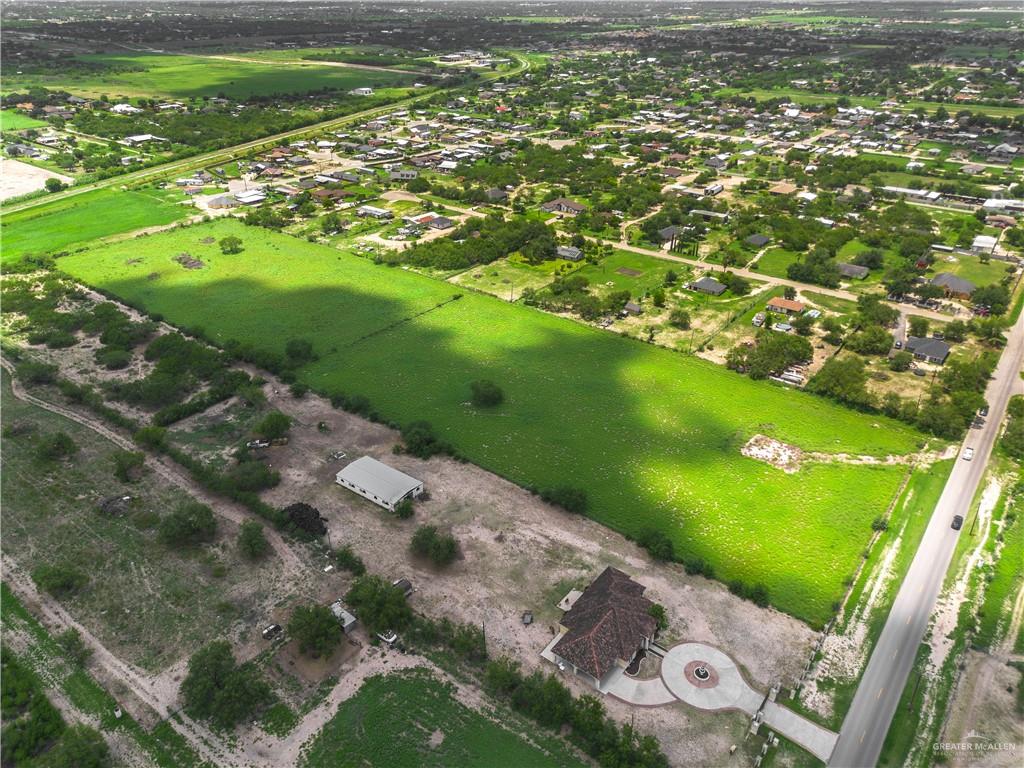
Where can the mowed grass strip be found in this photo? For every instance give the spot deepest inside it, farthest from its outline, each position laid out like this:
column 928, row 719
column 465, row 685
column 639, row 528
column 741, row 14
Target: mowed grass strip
column 68, row 221
column 149, row 75
column 653, row 436
column 421, row 725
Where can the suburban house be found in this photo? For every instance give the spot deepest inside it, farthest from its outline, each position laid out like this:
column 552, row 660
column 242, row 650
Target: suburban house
column 603, row 629
column 381, row 484
column 953, row 285
column 495, row 195
column 374, row 212
column 927, row 349
column 563, row 205
column 569, row 253
column 709, row 286
column 785, row 306
column 853, row 271
column 670, row 234
column 362, row 91
column 757, row 241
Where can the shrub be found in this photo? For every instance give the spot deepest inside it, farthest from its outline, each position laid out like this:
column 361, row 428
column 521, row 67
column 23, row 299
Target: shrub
column 420, row 441
column 79, row 747
column 59, row 580
column 252, row 541
column 346, row 558
column 154, row 438
column 404, row 509
column 128, row 465
column 659, row 614
column 658, row 545
column 31, row 372
column 429, row 542
column 274, row 425
column 486, row 394
column 570, row 499
column 71, row 643
column 679, row 318
column 316, row 628
column 230, row 244
column 190, row 524
column 113, row 358
column 59, row 445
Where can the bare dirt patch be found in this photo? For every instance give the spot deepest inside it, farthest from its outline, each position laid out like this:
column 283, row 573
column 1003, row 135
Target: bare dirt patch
column 188, row 261
column 775, row 452
column 18, row 178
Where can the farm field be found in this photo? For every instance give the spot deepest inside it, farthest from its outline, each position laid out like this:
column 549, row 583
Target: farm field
column 425, row 726
column 10, row 120
column 654, row 437
column 182, row 77
column 52, row 226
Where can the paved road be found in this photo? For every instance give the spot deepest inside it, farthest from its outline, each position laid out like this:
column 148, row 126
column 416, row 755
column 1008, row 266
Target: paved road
column 867, row 723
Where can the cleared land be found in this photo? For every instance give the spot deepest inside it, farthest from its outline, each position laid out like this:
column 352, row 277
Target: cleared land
column 10, row 120
column 654, row 437
column 18, row 178
column 179, row 77
column 53, row 226
column 425, row 726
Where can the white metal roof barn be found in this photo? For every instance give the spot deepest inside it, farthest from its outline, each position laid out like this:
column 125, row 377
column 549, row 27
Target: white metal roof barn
column 376, row 481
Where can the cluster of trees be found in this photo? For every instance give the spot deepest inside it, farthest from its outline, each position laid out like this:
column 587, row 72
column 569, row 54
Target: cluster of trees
column 34, row 732
column 771, row 354
column 181, row 365
column 440, row 547
column 1013, row 435
column 316, row 628
column 189, row 524
column 572, row 293
column 218, row 689
column 481, row 241
column 419, row 440
column 378, row 604
column 546, row 700
column 59, row 579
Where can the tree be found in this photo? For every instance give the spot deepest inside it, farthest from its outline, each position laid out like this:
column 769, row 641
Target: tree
column 379, row 605
column 299, row 351
column 918, row 326
column 995, row 297
column 274, row 425
column 440, row 548
column 873, row 340
column 486, row 394
column 568, row 498
column 189, row 524
column 54, row 185
column 216, row 689
column 803, row 324
column 128, row 465
column 679, row 318
column 404, row 509
column 230, row 244
column 842, row 379
column 658, row 612
column 252, row 541
column 420, row 441
column 316, row 628
column 658, row 297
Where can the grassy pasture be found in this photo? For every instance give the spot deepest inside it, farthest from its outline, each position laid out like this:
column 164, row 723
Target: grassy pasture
column 425, row 726
column 61, row 223
column 10, row 120
column 775, row 261
column 180, row 77
column 653, row 436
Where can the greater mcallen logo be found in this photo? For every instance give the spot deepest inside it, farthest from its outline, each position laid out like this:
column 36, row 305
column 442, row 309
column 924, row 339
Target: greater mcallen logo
column 974, row 742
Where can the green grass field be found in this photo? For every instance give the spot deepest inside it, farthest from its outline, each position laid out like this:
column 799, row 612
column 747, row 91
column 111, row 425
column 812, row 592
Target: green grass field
column 180, row 77
column 411, row 720
column 774, row 262
column 68, row 221
column 639, row 272
column 653, row 436
column 11, row 120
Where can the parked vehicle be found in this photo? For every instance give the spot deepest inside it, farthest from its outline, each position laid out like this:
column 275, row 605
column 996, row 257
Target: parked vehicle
column 968, row 454
column 272, row 631
column 958, row 522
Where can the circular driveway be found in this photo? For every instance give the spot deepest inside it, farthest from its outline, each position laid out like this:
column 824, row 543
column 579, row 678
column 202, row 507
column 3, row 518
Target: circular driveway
column 704, row 677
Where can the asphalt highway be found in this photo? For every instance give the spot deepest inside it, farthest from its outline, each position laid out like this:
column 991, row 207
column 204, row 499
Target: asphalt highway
column 867, row 722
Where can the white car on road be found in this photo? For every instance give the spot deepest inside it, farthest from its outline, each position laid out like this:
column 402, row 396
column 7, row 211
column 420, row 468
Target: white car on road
column 968, row 454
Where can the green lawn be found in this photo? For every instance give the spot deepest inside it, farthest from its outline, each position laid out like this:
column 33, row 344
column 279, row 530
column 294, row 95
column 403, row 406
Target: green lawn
column 179, row 77
column 11, row 120
column 68, row 221
column 653, row 436
column 775, row 261
column 411, row 720
column 618, row 272
column 506, row 278
column 971, row 268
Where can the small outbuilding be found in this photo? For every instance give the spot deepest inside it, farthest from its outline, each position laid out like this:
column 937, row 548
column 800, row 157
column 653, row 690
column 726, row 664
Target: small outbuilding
column 381, row 484
column 347, row 620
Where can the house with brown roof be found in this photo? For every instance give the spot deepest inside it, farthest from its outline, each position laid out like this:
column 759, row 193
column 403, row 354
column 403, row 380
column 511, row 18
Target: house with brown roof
column 604, row 629
column 785, row 306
